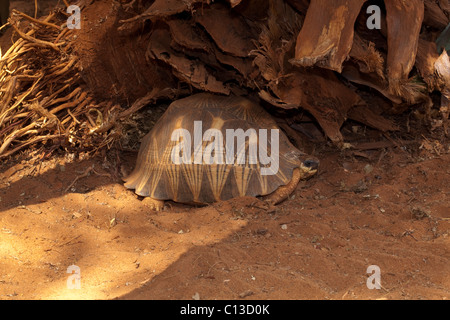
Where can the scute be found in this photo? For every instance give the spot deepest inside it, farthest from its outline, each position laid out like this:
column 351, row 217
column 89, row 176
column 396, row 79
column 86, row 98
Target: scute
column 156, row 176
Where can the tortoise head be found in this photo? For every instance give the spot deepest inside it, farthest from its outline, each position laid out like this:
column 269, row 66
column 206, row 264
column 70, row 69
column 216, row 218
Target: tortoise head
column 309, row 167
column 307, row 164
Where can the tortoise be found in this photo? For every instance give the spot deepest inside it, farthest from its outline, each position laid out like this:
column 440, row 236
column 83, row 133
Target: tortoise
column 219, row 163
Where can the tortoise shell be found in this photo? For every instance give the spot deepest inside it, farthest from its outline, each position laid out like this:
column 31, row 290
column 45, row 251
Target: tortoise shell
column 156, row 175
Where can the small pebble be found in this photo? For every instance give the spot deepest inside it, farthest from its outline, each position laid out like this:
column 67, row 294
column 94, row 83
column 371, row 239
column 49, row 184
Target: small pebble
column 368, row 168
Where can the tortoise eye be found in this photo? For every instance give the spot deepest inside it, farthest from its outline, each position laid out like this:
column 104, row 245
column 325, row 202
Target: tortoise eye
column 313, row 164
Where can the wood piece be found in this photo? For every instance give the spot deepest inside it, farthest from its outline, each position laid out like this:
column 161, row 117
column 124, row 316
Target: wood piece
column 228, row 30
column 367, row 116
column 368, row 58
column 185, row 34
column 329, row 108
column 434, row 15
column 276, row 41
column 161, row 9
column 193, row 72
column 379, row 144
column 445, row 6
column 234, row 3
column 425, row 60
column 404, row 21
column 299, row 5
column 352, row 74
column 326, row 37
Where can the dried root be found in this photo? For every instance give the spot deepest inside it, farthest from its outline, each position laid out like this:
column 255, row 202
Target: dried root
column 42, row 96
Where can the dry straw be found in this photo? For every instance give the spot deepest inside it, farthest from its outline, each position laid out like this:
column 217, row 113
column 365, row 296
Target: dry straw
column 42, row 96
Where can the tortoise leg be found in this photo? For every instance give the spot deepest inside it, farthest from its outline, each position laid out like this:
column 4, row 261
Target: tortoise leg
column 153, row 204
column 284, row 191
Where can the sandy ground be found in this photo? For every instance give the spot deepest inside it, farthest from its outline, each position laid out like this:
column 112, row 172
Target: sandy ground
column 393, row 213
column 388, row 207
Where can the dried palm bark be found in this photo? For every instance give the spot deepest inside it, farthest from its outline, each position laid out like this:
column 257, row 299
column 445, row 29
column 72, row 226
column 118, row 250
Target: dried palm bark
column 404, row 21
column 330, row 108
column 435, row 15
column 427, row 55
column 367, row 57
column 163, row 8
column 236, row 41
column 442, row 66
column 277, row 49
column 190, row 71
column 317, row 56
column 327, row 34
